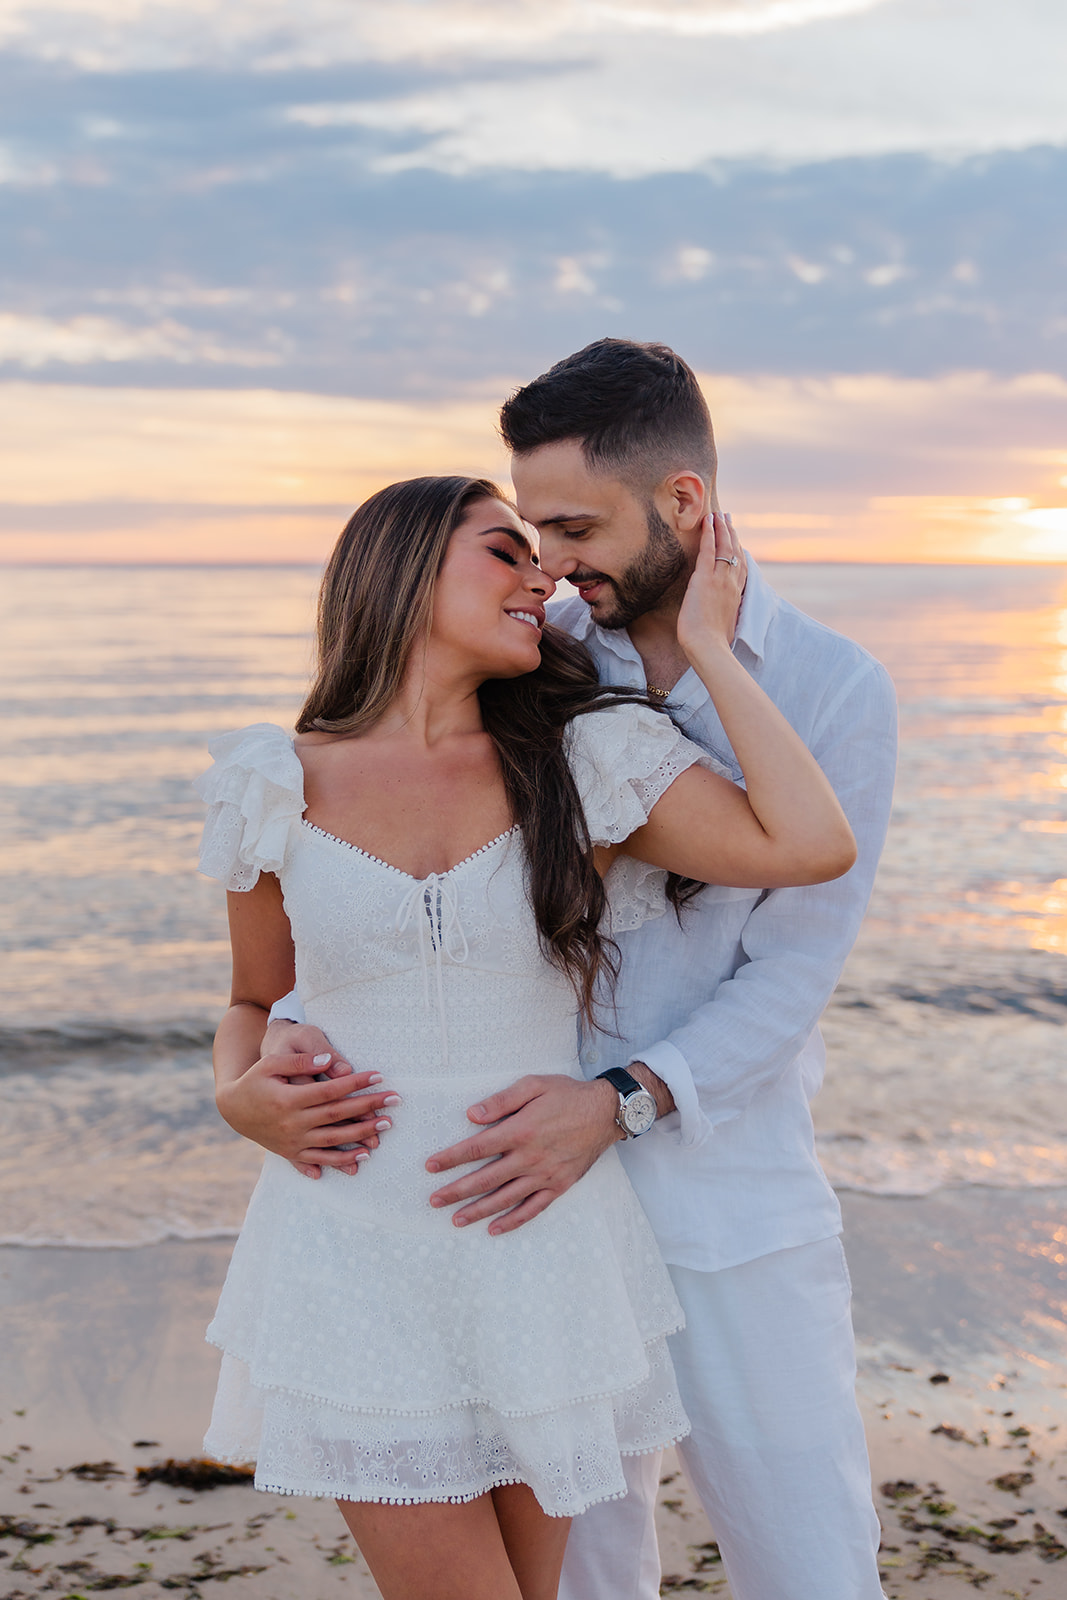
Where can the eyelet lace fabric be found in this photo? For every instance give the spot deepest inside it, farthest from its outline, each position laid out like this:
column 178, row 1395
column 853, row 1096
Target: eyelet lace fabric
column 372, row 1351
column 255, row 791
column 571, row 1455
column 624, row 758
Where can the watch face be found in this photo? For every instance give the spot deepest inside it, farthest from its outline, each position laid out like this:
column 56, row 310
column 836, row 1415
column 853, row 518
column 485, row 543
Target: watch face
column 638, row 1113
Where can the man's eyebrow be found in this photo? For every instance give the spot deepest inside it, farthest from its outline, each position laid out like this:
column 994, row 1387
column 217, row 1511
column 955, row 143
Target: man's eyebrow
column 515, row 536
column 565, row 516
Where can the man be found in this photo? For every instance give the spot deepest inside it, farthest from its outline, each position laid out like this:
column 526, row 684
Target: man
column 613, row 460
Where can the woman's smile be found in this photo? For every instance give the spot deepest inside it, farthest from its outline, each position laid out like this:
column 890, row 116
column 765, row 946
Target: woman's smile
column 532, row 619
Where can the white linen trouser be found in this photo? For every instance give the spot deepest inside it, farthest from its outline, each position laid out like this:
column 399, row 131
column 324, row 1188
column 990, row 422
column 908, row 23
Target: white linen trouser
column 766, row 1367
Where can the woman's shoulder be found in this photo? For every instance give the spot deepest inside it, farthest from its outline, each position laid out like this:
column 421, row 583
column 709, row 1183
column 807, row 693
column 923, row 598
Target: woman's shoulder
column 255, row 790
column 623, row 755
column 617, row 725
column 623, row 740
column 258, row 744
column 261, row 753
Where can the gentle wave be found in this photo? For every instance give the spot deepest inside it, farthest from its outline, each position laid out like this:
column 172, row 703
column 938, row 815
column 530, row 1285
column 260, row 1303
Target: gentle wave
column 115, row 1139
column 204, row 1195
column 876, row 1165
column 28, row 1049
column 134, row 1239
column 118, row 1143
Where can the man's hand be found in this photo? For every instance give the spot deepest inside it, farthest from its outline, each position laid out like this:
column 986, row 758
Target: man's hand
column 548, row 1132
column 284, row 1038
column 281, row 1104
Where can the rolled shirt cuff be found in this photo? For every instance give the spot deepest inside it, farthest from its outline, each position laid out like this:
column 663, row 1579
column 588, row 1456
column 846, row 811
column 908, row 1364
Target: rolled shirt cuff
column 686, row 1124
column 287, row 1009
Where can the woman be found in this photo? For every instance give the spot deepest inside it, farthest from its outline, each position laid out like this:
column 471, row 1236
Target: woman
column 431, row 856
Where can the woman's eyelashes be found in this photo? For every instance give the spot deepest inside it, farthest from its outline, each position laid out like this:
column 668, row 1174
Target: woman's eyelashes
column 504, row 555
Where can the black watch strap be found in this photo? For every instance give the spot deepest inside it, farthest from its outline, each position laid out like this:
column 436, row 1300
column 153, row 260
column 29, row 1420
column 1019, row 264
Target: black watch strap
column 623, row 1081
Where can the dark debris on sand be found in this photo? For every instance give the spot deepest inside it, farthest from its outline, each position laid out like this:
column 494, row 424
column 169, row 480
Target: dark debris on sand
column 77, row 1577
column 96, row 1471
column 938, row 1537
column 197, row 1473
column 703, row 1559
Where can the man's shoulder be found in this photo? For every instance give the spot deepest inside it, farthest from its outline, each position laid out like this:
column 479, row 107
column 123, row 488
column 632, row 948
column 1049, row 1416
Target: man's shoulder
column 814, row 672
column 792, row 629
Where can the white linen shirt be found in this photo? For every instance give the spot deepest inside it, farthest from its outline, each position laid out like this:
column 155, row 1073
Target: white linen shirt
column 724, row 1005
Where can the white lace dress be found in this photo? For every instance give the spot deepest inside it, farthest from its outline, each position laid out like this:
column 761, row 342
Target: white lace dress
column 371, row 1350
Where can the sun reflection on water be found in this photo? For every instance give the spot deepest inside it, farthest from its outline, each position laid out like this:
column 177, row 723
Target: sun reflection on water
column 1040, row 913
column 979, row 660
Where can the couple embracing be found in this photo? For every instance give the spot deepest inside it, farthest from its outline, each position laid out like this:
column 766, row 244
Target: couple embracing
column 556, row 899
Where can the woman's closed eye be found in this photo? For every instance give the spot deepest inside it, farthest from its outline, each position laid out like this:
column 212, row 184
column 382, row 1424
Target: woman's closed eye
column 504, row 555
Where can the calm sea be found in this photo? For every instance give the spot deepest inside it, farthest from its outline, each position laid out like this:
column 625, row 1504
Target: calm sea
column 947, row 1037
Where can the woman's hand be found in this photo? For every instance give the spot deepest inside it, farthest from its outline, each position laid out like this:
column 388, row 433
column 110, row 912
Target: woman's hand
column 708, row 615
column 786, row 826
column 305, row 1106
column 280, row 1104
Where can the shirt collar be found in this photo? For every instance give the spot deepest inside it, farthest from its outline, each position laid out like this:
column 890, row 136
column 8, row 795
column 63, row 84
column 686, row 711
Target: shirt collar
column 758, row 609
column 757, row 612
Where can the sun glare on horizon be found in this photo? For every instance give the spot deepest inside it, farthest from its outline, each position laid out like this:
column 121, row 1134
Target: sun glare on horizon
column 261, row 475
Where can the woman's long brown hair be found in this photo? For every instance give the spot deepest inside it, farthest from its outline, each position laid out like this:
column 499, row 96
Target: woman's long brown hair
column 375, row 606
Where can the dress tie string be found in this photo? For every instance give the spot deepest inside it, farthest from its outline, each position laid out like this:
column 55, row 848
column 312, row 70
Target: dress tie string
column 433, row 906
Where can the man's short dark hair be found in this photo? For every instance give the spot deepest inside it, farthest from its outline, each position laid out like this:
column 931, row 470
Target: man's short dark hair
column 636, row 409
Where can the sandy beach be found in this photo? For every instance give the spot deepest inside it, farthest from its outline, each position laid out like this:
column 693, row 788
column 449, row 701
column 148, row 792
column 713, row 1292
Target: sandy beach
column 106, row 1373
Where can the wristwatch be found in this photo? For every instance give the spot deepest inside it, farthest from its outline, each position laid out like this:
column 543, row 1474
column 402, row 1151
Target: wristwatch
column 637, row 1108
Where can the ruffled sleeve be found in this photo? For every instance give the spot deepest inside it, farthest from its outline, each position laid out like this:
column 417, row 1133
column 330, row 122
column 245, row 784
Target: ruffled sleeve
column 256, row 792
column 623, row 759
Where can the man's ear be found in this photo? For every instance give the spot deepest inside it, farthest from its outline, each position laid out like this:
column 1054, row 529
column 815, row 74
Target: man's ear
column 682, row 501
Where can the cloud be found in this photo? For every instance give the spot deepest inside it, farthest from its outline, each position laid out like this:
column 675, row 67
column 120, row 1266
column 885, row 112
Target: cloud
column 246, row 449
column 894, row 78
column 875, row 468
column 626, row 86
column 342, row 279
column 693, row 18
column 253, row 209
column 964, row 434
column 122, row 33
column 30, row 171
column 36, row 342
column 965, row 467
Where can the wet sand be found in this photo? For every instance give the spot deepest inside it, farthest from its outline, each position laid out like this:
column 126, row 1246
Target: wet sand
column 105, row 1371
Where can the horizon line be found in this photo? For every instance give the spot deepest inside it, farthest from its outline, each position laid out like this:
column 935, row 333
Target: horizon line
column 301, row 566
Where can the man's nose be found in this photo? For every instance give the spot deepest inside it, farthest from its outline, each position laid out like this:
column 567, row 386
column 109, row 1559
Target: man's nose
column 556, row 560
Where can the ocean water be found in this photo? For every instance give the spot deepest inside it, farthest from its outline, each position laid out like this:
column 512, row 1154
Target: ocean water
column 947, row 1038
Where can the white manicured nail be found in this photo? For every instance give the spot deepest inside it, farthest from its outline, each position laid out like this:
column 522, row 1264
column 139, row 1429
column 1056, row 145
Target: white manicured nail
column 320, row 1061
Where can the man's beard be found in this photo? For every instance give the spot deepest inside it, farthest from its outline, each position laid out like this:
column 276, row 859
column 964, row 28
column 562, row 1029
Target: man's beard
column 648, row 577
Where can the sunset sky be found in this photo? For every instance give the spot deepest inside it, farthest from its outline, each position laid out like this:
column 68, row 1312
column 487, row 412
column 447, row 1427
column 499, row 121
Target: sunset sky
column 262, row 256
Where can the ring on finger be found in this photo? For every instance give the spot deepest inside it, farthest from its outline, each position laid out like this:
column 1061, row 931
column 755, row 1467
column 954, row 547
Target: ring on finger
column 731, row 561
